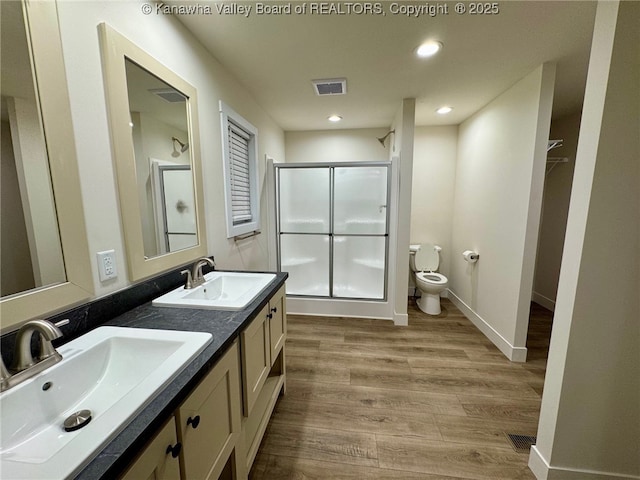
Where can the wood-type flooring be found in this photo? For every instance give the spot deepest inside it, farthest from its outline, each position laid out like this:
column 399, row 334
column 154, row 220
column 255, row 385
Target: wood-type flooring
column 434, row 400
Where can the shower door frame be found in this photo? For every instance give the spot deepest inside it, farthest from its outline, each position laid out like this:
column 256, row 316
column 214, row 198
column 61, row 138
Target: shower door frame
column 332, row 166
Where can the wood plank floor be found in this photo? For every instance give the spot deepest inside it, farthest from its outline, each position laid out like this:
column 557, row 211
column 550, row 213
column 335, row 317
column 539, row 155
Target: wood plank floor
column 434, row 400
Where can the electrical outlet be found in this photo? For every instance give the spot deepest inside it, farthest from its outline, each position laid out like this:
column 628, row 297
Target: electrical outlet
column 107, row 265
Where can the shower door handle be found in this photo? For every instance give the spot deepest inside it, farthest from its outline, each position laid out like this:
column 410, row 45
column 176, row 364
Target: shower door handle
column 381, row 207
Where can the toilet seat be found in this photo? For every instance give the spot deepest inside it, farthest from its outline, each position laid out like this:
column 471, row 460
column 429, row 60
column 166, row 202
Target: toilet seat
column 426, row 258
column 432, row 277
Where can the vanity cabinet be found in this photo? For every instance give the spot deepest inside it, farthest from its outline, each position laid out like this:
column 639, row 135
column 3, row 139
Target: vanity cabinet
column 277, row 323
column 256, row 358
column 263, row 372
column 159, row 459
column 198, row 442
column 209, row 420
column 217, row 430
column 260, row 343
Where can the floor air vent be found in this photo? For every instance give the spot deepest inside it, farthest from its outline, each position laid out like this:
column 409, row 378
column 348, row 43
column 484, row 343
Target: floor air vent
column 331, row 86
column 521, row 443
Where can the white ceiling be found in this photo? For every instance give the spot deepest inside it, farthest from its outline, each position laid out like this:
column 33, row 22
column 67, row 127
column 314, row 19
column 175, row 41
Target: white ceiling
column 277, row 56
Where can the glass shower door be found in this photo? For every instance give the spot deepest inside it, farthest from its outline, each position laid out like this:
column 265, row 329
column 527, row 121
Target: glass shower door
column 332, row 229
column 360, row 231
column 305, row 226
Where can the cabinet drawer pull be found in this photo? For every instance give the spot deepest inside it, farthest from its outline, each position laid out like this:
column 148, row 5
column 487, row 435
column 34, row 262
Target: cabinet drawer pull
column 274, row 309
column 174, row 450
column 270, row 315
column 194, row 422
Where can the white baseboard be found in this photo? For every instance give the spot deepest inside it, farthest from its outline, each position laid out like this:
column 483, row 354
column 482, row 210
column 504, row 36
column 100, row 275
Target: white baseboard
column 515, row 354
column 400, row 319
column 538, row 464
column 546, row 302
column 543, row 471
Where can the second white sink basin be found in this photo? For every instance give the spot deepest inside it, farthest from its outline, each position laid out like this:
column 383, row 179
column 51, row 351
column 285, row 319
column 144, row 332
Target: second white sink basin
column 112, row 371
column 221, row 291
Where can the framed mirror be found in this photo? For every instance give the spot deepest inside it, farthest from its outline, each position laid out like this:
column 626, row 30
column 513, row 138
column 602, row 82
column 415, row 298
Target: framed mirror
column 45, row 264
column 155, row 140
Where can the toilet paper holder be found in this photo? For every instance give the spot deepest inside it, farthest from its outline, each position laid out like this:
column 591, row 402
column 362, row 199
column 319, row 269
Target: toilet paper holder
column 470, row 256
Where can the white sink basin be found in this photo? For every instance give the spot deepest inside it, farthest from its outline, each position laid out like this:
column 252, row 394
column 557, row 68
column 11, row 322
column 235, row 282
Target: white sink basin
column 112, row 371
column 221, row 291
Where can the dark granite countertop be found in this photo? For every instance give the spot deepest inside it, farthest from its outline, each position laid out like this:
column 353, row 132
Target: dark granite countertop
column 225, row 326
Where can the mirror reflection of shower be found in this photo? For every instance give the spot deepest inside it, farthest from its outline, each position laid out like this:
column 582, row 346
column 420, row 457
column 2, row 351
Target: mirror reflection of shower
column 173, row 206
column 180, row 149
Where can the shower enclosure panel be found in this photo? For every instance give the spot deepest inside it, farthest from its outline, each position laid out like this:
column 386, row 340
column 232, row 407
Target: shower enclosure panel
column 305, row 219
column 332, row 229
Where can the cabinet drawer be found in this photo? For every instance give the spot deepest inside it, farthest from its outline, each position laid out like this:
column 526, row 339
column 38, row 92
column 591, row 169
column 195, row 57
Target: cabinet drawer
column 277, row 323
column 157, row 461
column 209, row 420
column 256, row 359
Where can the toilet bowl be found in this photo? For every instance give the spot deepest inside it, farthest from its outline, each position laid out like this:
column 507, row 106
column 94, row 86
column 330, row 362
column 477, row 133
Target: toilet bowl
column 424, row 261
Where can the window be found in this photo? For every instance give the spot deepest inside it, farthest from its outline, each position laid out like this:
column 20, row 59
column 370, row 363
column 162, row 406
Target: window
column 240, row 157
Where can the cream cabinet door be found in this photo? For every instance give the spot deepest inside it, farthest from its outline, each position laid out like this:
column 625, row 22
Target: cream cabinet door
column 159, row 460
column 256, row 359
column 277, row 323
column 209, row 420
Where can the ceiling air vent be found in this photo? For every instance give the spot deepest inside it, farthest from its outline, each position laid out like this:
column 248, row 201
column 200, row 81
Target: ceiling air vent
column 330, row 86
column 170, row 95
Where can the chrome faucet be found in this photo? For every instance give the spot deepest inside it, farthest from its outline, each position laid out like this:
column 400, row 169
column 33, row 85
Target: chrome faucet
column 24, row 365
column 48, row 332
column 194, row 276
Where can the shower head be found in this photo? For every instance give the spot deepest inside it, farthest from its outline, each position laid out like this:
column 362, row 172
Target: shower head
column 382, row 139
column 183, row 147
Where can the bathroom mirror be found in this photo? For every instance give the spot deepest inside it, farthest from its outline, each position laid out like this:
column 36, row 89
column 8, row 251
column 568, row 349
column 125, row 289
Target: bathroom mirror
column 44, row 256
column 154, row 131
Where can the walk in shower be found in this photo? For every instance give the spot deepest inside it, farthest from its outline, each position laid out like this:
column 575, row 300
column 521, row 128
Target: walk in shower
column 333, row 229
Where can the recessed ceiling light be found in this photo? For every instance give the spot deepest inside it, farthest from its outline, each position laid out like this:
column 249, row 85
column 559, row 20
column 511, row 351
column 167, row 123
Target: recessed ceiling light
column 444, row 110
column 335, row 118
column 428, row 49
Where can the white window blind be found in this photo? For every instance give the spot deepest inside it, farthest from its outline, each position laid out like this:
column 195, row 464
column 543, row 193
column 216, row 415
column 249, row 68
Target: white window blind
column 240, row 160
column 240, row 175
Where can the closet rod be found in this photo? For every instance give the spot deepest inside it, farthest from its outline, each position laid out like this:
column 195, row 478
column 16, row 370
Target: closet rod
column 554, row 144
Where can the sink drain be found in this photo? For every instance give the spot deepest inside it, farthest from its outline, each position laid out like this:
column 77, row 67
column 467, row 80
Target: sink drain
column 77, row 420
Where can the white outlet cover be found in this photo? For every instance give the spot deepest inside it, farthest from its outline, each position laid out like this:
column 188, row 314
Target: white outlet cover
column 107, row 265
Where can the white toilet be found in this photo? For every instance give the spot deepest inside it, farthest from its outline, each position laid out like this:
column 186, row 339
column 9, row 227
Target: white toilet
column 424, row 260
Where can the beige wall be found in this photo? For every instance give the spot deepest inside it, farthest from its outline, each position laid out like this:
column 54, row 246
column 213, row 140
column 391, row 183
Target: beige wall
column 555, row 208
column 166, row 39
column 351, row 145
column 590, row 417
column 498, row 194
column 432, row 193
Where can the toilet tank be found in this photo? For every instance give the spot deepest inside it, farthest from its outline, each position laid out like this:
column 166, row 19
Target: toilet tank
column 425, row 258
column 413, row 248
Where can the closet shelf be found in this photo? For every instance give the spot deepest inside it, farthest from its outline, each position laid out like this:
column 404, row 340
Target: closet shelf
column 553, row 161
